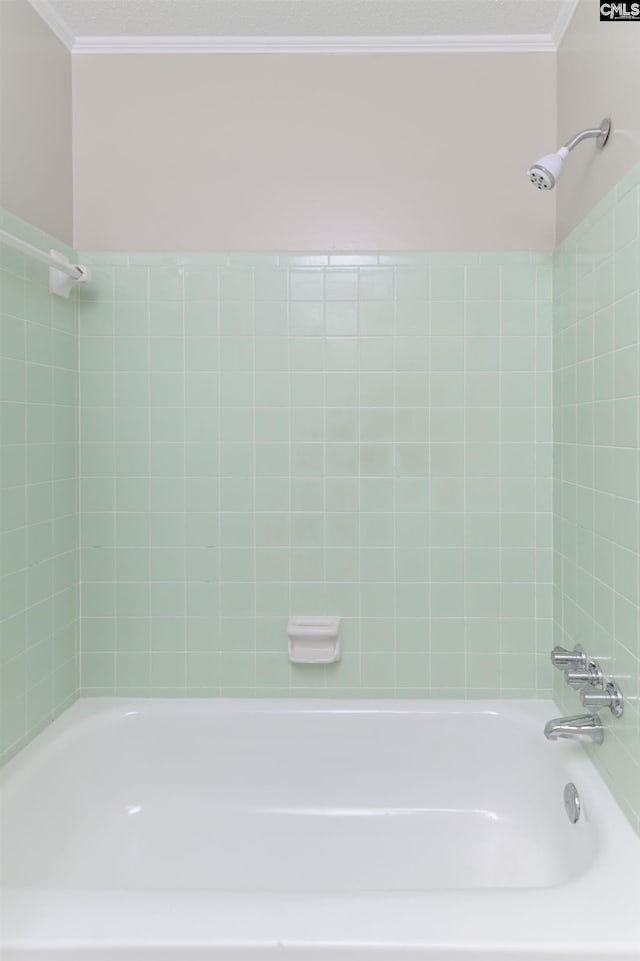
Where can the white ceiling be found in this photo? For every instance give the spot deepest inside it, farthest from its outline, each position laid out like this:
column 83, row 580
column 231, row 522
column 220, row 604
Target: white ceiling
column 99, row 25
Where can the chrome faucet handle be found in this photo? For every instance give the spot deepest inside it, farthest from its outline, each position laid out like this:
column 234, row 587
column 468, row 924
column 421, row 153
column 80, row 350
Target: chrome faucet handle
column 564, row 659
column 610, row 697
column 588, row 676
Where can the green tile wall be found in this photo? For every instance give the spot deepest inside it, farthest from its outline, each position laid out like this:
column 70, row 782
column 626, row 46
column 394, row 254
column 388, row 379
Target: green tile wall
column 364, row 436
column 596, row 483
column 38, row 495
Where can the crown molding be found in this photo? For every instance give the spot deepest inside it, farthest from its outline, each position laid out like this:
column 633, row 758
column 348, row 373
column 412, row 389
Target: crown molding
column 481, row 43
column 562, row 23
column 525, row 43
column 54, row 22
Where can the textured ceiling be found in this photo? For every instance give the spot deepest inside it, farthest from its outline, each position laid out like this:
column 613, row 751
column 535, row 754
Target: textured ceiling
column 309, row 18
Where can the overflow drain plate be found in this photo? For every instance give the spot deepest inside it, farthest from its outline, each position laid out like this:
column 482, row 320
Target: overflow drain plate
column 571, row 802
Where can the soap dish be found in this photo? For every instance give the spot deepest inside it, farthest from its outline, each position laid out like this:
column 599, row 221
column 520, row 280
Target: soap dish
column 314, row 640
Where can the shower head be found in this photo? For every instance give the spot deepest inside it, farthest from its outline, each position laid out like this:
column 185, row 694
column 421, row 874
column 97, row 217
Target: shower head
column 544, row 172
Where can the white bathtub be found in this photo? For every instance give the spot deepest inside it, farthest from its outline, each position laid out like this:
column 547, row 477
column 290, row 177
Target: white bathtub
column 232, row 830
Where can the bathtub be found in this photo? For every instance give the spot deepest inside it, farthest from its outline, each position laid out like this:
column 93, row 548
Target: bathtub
column 233, row 830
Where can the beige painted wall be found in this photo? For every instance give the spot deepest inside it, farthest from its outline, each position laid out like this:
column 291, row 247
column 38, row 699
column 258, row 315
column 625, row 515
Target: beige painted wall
column 598, row 75
column 35, row 121
column 283, row 152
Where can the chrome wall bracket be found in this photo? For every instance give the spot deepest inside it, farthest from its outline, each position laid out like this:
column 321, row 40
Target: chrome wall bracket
column 601, row 135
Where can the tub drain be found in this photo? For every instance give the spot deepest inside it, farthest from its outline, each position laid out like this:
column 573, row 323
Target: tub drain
column 571, row 802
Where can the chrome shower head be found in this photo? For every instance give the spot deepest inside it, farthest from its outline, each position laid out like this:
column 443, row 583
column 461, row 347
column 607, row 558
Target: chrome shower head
column 544, row 173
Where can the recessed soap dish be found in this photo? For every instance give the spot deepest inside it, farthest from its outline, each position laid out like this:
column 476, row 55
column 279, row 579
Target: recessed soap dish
column 314, row 640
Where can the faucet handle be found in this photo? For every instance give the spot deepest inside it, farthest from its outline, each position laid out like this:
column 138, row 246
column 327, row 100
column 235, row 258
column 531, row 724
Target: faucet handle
column 564, row 659
column 588, row 675
column 610, row 697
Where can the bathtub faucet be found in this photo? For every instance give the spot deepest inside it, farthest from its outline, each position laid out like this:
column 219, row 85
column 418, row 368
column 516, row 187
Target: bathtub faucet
column 584, row 728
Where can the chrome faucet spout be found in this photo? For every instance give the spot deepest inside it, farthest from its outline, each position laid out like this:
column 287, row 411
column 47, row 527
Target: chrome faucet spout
column 584, row 728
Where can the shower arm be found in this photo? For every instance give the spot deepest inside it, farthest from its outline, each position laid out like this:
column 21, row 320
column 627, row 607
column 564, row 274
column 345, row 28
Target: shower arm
column 601, row 134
